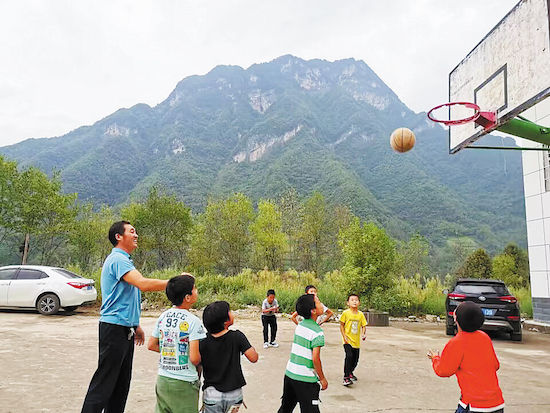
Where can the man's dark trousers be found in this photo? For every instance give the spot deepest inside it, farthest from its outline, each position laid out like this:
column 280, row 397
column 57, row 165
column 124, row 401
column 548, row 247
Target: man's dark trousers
column 111, row 382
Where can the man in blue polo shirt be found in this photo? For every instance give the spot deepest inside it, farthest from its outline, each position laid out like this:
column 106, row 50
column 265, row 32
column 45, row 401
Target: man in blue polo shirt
column 119, row 329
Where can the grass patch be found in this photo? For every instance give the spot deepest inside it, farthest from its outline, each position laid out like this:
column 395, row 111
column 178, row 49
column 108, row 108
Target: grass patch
column 409, row 296
column 525, row 301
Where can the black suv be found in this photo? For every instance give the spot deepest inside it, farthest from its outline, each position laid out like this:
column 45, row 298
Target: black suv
column 501, row 309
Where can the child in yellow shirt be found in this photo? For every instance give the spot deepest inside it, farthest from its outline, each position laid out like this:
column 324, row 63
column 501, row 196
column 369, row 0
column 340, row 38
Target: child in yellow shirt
column 353, row 327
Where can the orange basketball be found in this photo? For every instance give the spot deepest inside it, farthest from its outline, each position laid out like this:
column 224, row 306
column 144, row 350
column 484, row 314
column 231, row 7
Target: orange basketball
column 402, row 140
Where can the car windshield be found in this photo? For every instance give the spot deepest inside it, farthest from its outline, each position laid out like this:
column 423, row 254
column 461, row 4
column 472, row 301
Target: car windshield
column 66, row 273
column 497, row 289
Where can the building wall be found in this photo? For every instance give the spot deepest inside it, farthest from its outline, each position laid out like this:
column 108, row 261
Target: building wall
column 536, row 177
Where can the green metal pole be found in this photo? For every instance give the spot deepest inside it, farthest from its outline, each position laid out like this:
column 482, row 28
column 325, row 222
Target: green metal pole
column 509, row 148
column 526, row 129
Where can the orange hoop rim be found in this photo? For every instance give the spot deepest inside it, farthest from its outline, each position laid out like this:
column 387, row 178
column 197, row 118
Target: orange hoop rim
column 469, row 105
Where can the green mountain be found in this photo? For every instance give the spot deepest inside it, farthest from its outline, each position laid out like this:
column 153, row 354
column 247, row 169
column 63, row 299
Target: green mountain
column 311, row 125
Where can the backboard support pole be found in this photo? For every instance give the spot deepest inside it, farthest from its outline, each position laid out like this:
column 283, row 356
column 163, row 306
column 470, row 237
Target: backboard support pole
column 526, row 129
column 509, row 148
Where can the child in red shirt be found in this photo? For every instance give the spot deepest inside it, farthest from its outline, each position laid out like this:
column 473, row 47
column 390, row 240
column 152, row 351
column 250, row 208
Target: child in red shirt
column 471, row 357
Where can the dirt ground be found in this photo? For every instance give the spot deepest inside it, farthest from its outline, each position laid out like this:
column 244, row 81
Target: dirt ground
column 46, row 364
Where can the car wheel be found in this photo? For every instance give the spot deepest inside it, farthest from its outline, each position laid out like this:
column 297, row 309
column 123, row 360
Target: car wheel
column 450, row 330
column 516, row 336
column 48, row 304
column 70, row 308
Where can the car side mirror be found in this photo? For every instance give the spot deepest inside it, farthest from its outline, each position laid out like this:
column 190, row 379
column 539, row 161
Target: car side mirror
column 445, row 291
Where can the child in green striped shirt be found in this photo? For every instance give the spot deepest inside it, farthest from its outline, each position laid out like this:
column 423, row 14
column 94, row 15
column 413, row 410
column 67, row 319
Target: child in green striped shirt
column 304, row 376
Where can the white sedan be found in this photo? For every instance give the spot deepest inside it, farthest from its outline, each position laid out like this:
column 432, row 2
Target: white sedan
column 45, row 288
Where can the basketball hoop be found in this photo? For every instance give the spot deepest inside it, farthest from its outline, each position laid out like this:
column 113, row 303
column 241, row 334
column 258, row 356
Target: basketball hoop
column 486, row 119
column 469, row 105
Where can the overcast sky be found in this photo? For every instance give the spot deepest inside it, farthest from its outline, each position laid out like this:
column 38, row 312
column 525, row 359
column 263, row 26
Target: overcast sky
column 67, row 63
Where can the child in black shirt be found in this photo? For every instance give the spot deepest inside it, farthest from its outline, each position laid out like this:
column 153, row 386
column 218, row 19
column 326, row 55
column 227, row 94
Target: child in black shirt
column 221, row 360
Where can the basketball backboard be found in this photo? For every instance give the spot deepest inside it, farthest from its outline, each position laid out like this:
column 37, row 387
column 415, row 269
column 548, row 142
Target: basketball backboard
column 508, row 72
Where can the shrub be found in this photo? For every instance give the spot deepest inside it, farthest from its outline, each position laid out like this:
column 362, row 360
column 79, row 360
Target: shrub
column 389, row 300
column 409, row 297
column 523, row 295
column 434, row 302
column 404, row 297
column 413, row 294
column 332, row 291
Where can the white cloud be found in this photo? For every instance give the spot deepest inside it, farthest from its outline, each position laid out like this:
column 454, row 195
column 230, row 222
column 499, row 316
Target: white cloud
column 70, row 63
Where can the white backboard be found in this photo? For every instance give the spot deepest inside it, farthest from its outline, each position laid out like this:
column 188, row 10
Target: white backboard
column 507, row 72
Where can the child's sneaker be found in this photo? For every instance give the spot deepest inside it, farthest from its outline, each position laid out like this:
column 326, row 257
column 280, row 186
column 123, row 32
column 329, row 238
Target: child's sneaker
column 273, row 344
column 266, row 345
column 347, row 381
column 352, row 377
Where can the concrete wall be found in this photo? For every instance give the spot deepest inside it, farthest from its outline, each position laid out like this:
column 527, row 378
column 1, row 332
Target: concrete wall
column 537, row 209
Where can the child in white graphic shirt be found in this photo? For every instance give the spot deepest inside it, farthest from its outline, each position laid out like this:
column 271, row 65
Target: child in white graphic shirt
column 176, row 337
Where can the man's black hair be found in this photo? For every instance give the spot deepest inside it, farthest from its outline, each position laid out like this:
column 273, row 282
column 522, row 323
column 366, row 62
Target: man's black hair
column 352, row 295
column 116, row 228
column 305, row 304
column 469, row 316
column 178, row 287
column 309, row 287
column 270, row 292
column 215, row 315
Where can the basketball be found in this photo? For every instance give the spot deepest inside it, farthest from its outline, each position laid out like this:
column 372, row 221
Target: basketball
column 402, row 140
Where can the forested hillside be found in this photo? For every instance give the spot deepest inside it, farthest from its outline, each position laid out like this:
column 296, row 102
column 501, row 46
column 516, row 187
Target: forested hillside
column 294, row 124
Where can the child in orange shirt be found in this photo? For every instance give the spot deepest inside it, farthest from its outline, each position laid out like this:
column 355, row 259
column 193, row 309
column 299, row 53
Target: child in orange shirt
column 471, row 357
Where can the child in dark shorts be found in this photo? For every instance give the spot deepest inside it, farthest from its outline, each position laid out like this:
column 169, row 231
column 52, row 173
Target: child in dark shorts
column 221, row 360
column 304, row 376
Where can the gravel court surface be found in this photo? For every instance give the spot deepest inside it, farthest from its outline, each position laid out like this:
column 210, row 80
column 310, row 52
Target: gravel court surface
column 46, row 364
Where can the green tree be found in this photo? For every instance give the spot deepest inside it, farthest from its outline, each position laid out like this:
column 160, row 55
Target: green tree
column 413, row 257
column 291, row 215
column 314, row 232
column 53, row 237
column 369, row 256
column 477, row 265
column 8, row 197
column 88, row 237
column 339, row 219
column 43, row 211
column 269, row 240
column 512, row 266
column 521, row 261
column 163, row 224
column 203, row 253
column 226, row 229
column 504, row 269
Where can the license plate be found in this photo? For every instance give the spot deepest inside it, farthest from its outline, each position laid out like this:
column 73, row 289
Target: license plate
column 488, row 311
column 89, row 287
